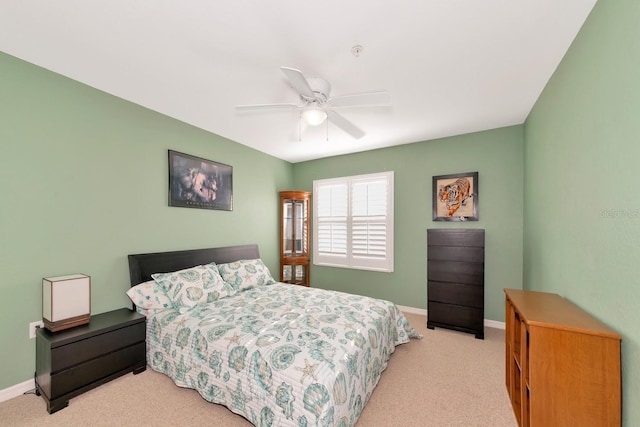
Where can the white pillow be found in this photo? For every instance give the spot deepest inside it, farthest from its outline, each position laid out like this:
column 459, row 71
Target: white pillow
column 192, row 286
column 246, row 274
column 149, row 296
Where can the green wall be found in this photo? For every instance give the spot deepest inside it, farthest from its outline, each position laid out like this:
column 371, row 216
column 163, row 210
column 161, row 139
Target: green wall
column 582, row 212
column 496, row 155
column 83, row 178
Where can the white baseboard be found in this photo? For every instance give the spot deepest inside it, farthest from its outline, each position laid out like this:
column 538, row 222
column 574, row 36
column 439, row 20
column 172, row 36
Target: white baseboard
column 16, row 390
column 488, row 323
column 412, row 310
column 494, row 324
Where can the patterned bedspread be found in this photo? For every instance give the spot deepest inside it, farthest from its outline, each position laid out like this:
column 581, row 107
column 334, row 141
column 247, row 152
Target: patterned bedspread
column 280, row 355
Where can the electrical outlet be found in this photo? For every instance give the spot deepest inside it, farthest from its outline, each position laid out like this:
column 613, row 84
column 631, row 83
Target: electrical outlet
column 33, row 326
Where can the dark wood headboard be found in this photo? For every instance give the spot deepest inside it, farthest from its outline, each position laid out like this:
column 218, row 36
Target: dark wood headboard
column 142, row 266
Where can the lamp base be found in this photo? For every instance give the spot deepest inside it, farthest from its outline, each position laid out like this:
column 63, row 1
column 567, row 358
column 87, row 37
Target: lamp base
column 66, row 323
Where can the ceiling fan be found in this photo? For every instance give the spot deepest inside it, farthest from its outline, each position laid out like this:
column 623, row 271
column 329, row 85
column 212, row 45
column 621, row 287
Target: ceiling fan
column 317, row 105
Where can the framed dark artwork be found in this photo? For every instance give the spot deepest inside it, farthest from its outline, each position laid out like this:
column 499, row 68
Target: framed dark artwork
column 455, row 197
column 199, row 183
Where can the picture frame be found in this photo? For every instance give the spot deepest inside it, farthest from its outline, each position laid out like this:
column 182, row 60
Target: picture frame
column 199, row 183
column 455, row 197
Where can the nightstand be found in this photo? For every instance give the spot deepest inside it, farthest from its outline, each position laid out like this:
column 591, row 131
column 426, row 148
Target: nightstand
column 75, row 360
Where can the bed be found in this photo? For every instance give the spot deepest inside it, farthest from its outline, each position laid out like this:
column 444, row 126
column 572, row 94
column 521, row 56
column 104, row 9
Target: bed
column 274, row 353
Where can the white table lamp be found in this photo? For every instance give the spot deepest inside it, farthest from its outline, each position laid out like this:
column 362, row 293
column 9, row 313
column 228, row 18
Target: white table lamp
column 66, row 301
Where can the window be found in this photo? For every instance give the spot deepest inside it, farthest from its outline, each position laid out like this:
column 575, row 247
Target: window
column 353, row 222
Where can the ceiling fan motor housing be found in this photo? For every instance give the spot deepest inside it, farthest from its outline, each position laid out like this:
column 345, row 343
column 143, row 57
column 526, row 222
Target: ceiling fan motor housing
column 320, row 87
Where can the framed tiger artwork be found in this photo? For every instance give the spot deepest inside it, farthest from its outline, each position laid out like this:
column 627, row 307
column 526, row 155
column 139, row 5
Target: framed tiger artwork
column 455, row 197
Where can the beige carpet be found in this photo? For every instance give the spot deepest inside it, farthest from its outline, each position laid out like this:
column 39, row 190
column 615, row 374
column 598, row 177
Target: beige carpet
column 446, row 379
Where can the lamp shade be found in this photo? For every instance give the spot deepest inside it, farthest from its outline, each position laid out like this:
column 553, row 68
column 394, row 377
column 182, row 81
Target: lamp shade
column 66, row 301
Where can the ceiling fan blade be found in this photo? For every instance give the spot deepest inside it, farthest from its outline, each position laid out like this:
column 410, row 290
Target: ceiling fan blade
column 267, row 107
column 344, row 124
column 299, row 82
column 368, row 99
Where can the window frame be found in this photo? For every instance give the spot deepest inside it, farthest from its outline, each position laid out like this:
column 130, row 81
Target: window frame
column 349, row 260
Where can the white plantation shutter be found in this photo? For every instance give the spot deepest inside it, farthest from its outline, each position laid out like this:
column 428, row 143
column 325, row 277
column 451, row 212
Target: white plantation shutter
column 331, row 226
column 353, row 221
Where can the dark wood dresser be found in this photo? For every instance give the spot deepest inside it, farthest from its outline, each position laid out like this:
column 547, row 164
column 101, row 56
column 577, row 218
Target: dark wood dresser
column 455, row 280
column 75, row 360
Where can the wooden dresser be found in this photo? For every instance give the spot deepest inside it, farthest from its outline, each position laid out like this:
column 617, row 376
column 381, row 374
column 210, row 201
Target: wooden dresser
column 562, row 365
column 455, row 280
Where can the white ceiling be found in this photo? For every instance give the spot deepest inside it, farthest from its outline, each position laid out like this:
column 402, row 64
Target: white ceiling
column 450, row 66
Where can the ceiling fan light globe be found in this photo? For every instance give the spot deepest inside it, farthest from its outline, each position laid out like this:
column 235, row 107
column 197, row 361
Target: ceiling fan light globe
column 314, row 116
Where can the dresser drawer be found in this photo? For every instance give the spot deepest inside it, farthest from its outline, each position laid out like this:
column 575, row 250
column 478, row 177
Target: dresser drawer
column 455, row 315
column 456, row 293
column 457, row 238
column 79, row 376
column 456, row 253
column 80, row 351
column 456, row 272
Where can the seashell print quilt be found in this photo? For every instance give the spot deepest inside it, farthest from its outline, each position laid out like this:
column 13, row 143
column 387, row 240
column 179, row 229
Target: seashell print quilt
column 280, row 355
